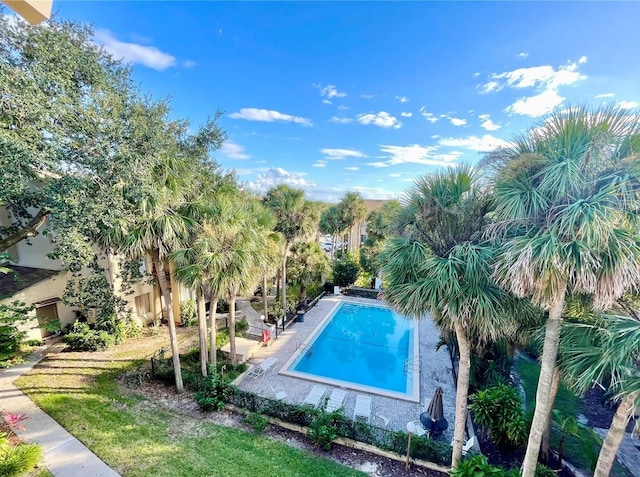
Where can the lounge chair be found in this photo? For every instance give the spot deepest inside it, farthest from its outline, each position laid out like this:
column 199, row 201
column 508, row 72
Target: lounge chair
column 467, row 445
column 362, row 409
column 315, row 395
column 279, row 392
column 420, row 430
column 385, row 420
column 336, row 400
column 258, row 371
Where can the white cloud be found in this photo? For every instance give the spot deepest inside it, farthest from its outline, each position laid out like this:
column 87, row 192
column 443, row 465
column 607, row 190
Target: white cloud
column 352, row 168
column 367, row 96
column 475, row 143
column 319, row 164
column 605, row 95
column 330, row 91
column 337, row 120
column 233, row 150
column 628, row 104
column 402, row 99
column 395, row 174
column 546, row 79
column 276, row 176
column 342, row 107
column 414, row 154
column 381, row 119
column 188, row 63
column 267, row 115
column 537, row 105
column 458, row 121
column 476, row 74
column 522, row 55
column 432, row 118
column 406, row 115
column 487, row 123
column 582, row 60
column 326, row 101
column 337, row 154
column 134, row 53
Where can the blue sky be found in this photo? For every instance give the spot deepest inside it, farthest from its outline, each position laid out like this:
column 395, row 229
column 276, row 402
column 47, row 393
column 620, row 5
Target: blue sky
column 336, row 97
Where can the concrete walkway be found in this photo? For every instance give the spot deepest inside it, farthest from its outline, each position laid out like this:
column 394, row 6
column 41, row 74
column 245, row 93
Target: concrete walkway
column 64, row 455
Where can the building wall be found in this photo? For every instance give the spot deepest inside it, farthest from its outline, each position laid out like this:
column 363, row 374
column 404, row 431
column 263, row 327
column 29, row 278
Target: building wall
column 50, row 288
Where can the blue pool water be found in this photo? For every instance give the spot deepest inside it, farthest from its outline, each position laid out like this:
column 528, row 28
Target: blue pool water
column 364, row 345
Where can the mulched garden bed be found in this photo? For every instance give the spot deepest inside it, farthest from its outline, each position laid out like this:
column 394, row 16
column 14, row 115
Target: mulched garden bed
column 186, row 405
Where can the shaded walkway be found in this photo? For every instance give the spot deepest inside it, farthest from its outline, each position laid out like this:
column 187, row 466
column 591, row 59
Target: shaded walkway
column 64, row 455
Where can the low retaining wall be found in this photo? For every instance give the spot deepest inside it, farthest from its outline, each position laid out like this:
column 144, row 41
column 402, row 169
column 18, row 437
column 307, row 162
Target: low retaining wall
column 349, row 442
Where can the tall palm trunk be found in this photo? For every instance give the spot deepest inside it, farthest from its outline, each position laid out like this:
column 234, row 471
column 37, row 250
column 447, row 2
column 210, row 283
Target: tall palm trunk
column 213, row 308
column 547, row 365
column 265, row 298
column 284, row 278
column 616, row 432
column 333, row 245
column 545, row 450
column 202, row 330
column 173, row 339
column 232, row 327
column 462, row 392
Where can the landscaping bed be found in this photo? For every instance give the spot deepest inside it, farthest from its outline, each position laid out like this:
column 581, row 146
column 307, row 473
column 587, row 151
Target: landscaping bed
column 147, row 430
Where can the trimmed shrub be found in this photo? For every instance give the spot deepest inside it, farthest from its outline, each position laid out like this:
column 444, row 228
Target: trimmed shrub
column 83, row 338
column 345, row 271
column 256, row 421
column 499, row 409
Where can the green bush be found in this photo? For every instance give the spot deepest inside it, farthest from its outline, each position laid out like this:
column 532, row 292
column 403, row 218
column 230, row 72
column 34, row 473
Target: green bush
column 345, row 271
column 256, row 421
column 10, row 337
column 478, row 466
column 323, row 429
column 275, row 307
column 18, row 460
column 118, row 328
column 83, row 338
column 188, row 313
column 499, row 409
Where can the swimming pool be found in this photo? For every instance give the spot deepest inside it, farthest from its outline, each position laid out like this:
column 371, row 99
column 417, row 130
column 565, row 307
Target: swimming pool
column 362, row 347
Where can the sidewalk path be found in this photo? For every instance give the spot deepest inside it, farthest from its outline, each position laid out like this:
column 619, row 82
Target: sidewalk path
column 64, row 455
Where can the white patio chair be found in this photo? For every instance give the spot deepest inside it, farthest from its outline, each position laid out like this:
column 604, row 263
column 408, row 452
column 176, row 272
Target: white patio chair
column 258, row 371
column 420, row 430
column 362, row 409
column 384, row 419
column 315, row 395
column 336, row 400
column 279, row 392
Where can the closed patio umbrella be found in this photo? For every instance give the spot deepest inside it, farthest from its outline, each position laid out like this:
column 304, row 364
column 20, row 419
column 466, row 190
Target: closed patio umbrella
column 435, row 409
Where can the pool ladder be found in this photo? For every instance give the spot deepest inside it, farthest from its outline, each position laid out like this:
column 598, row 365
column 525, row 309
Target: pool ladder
column 411, row 364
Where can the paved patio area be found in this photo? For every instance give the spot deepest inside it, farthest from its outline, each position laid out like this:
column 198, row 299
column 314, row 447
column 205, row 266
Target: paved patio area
column 435, row 370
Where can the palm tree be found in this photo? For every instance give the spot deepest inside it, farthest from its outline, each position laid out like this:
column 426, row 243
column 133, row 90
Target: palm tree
column 331, row 223
column 295, row 218
column 306, row 262
column 607, row 349
column 245, row 249
column 353, row 212
column 565, row 196
column 441, row 264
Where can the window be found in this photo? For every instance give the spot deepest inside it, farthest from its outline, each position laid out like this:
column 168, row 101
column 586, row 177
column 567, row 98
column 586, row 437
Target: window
column 143, row 305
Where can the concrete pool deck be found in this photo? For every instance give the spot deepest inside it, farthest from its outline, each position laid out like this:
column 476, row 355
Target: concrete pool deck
column 435, row 370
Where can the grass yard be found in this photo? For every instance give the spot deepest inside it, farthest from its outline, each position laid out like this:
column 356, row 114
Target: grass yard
column 581, row 450
column 138, row 437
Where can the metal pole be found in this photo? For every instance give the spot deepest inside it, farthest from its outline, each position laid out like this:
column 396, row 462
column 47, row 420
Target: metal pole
column 408, row 452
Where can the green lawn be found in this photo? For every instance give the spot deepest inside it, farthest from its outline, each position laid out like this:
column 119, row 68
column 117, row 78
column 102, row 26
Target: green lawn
column 138, row 437
column 582, row 450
